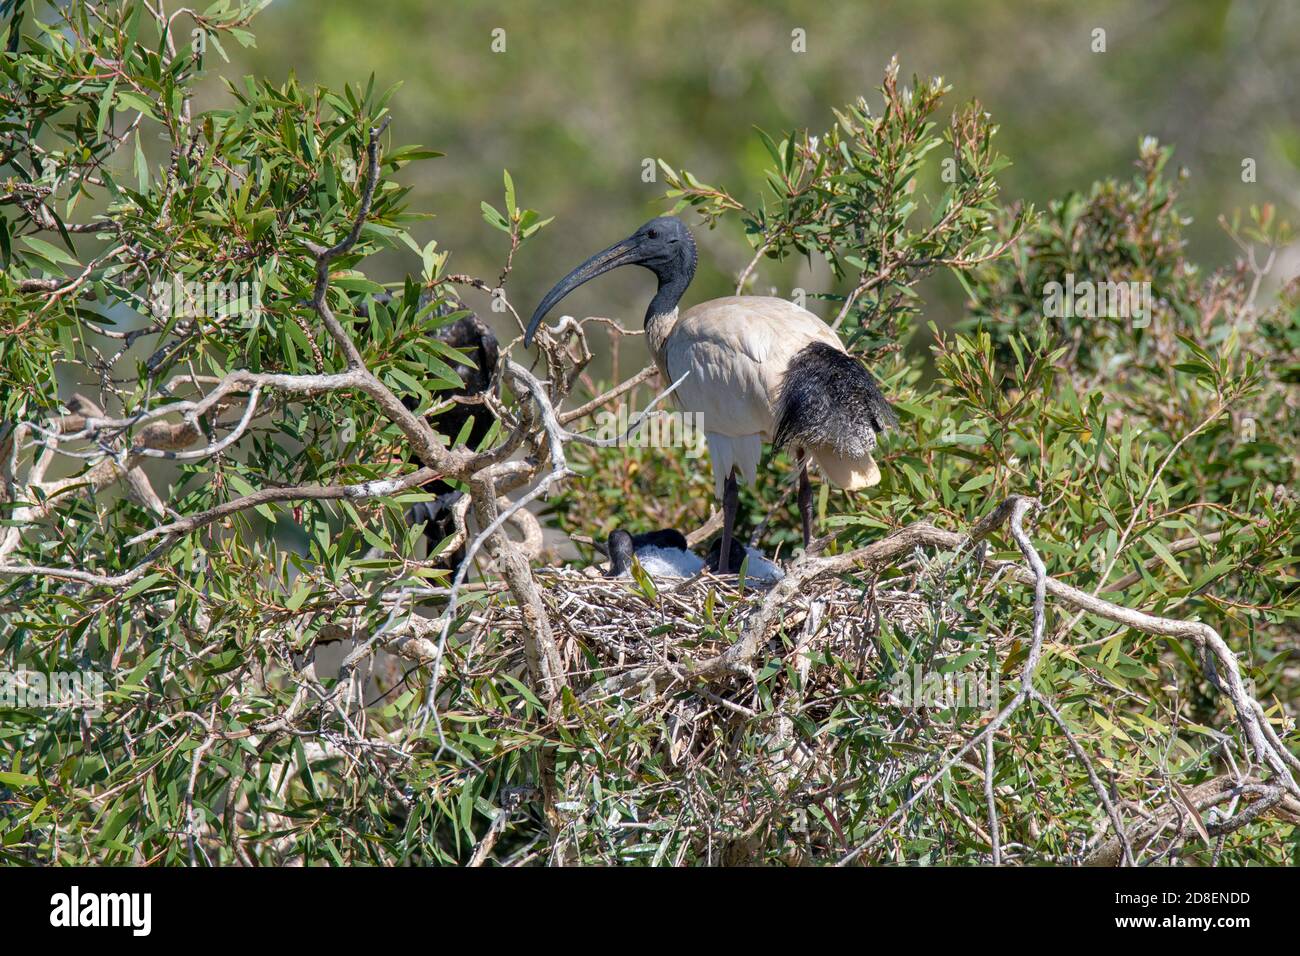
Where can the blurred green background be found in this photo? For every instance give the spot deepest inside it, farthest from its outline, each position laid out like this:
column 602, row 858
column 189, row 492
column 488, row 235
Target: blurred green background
column 585, row 91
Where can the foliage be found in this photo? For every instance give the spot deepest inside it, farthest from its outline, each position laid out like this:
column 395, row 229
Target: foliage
column 223, row 739
column 851, row 196
column 576, row 121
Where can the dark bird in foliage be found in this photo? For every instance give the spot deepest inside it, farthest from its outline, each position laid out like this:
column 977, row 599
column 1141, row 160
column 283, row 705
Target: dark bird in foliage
column 757, row 369
column 471, row 336
column 437, row 517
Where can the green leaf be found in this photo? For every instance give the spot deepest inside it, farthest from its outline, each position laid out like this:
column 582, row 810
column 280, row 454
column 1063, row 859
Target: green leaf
column 50, row 253
column 511, row 209
column 979, row 481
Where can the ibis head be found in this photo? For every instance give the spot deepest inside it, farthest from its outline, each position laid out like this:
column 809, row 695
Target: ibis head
column 663, row 245
column 621, row 549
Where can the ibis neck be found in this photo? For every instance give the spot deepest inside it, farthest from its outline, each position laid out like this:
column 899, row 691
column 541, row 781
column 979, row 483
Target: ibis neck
column 673, row 278
column 671, row 290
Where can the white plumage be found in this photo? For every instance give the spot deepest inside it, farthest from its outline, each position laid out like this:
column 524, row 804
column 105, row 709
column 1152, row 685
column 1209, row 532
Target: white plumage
column 761, row 569
column 675, row 563
column 669, row 562
column 736, row 350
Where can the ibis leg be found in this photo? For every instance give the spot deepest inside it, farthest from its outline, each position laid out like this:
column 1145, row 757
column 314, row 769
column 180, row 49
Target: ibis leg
column 730, row 503
column 805, row 505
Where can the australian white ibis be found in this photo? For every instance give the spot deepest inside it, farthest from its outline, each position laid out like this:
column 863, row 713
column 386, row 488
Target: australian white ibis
column 665, row 553
column 756, row 368
column 662, row 553
column 759, row 569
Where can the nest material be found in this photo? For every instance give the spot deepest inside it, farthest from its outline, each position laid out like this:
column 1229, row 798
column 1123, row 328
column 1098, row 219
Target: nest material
column 827, row 635
column 729, row 767
column 621, row 627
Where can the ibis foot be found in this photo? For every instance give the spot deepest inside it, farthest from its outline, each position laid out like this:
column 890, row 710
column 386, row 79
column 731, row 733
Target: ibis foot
column 730, row 504
column 805, row 505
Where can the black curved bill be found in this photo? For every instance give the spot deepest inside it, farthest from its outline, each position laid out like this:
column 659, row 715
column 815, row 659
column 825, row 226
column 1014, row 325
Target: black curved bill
column 619, row 254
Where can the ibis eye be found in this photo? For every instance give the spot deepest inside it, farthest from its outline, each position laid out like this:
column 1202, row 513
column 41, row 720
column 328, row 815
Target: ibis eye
column 652, row 234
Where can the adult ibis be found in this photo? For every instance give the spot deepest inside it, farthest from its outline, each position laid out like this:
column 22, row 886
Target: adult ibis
column 756, row 368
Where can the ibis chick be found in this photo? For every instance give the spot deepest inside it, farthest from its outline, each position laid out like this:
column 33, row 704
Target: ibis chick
column 662, row 554
column 759, row 568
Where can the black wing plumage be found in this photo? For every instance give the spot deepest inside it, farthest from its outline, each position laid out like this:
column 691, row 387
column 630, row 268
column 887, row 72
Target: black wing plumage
column 829, row 400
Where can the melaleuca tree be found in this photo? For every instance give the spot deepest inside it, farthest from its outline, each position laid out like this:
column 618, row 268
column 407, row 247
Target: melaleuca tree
column 200, row 492
column 1159, row 443
column 199, row 386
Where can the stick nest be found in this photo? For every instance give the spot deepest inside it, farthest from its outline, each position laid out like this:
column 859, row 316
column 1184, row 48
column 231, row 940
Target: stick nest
column 610, row 625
